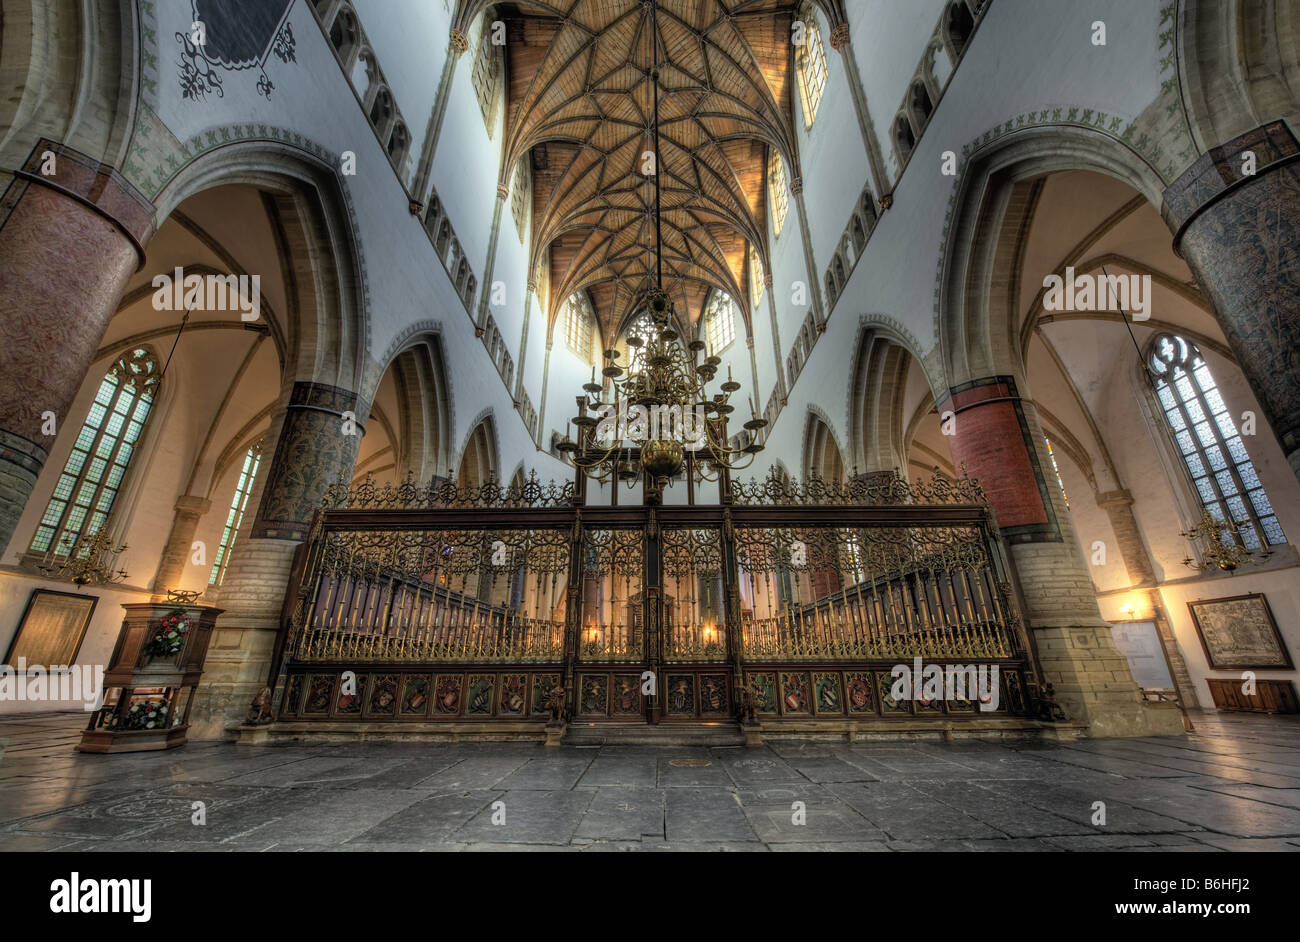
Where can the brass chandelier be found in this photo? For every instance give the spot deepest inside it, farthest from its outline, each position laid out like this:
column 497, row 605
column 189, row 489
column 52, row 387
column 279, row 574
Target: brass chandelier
column 1220, row 545
column 660, row 405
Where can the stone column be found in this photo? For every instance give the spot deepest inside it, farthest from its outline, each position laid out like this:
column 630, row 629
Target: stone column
column 805, row 237
column 523, row 339
column 485, row 292
column 541, row 408
column 875, row 156
column 72, row 231
column 998, row 438
column 176, row 554
column 457, row 45
column 1137, row 561
column 781, row 385
column 316, row 443
column 1236, row 219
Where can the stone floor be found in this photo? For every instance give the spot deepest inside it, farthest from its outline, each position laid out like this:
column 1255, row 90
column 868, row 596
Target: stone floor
column 1232, row 785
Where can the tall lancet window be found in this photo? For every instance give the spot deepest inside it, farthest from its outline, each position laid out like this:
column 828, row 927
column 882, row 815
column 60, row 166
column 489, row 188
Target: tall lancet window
column 93, row 474
column 777, row 191
column 235, row 516
column 719, row 322
column 578, row 317
column 1207, row 438
column 486, row 73
column 810, row 58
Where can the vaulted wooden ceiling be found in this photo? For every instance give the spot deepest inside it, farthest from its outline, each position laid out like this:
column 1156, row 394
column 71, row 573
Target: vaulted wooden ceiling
column 581, row 104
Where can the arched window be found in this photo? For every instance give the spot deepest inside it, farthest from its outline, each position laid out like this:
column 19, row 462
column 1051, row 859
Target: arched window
column 521, row 191
column 1207, row 439
column 578, row 317
column 235, row 516
column 644, row 329
column 719, row 322
column 343, row 34
column 398, row 143
column 93, row 474
column 1057, row 469
column 904, row 139
column 810, row 58
column 381, row 112
column 487, row 70
column 920, row 102
column 755, row 278
column 960, row 25
column 777, row 187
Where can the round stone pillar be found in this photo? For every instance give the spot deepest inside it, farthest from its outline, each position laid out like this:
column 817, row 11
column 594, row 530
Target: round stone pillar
column 996, row 435
column 1236, row 220
column 317, row 442
column 72, row 232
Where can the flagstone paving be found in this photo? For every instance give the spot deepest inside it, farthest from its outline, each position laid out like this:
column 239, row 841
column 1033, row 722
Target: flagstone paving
column 1232, row 785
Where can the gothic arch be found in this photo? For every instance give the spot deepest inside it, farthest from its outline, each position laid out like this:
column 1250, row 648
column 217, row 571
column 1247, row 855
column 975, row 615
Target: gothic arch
column 877, row 393
column 69, row 76
column 994, row 202
column 822, row 454
column 1238, row 66
column 424, row 418
column 322, row 250
column 480, row 455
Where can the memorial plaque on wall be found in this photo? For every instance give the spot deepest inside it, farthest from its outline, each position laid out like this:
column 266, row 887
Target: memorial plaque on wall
column 52, row 628
column 1239, row 633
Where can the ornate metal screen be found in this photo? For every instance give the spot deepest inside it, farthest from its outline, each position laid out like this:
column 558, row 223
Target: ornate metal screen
column 448, row 603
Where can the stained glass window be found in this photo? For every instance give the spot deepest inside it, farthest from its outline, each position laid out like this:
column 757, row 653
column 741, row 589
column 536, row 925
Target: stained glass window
column 755, row 278
column 93, row 474
column 577, row 324
column 719, row 322
column 1055, row 467
column 777, row 191
column 247, row 474
column 810, row 58
column 487, row 68
column 644, row 329
column 1206, row 436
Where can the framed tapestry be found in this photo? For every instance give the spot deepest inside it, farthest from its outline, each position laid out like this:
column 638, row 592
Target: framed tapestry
column 52, row 628
column 1238, row 633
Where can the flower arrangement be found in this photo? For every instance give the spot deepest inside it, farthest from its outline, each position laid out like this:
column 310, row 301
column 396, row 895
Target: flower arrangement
column 169, row 635
column 143, row 714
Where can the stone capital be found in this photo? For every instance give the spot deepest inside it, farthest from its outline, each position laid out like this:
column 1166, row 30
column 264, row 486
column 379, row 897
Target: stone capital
column 1113, row 498
column 1223, row 168
column 192, row 505
column 840, row 37
column 459, row 41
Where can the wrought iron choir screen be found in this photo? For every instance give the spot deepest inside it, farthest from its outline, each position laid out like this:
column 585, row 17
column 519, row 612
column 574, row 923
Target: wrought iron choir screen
column 795, row 602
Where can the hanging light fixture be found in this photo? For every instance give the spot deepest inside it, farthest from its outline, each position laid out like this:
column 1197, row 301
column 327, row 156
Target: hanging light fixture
column 86, row 558
column 660, row 405
column 1220, row 545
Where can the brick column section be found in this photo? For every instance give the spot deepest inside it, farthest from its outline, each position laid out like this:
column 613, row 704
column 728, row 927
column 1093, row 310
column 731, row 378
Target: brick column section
column 1239, row 233
column 72, row 231
column 998, row 438
column 176, row 554
column 313, row 449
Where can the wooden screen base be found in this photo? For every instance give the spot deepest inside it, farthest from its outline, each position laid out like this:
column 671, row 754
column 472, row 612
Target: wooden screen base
column 135, row 740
